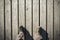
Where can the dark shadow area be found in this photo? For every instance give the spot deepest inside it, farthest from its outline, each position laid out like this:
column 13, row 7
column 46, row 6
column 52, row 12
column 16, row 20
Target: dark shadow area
column 43, row 33
column 27, row 35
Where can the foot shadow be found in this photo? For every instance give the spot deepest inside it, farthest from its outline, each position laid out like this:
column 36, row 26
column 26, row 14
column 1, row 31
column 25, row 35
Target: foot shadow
column 43, row 33
column 27, row 35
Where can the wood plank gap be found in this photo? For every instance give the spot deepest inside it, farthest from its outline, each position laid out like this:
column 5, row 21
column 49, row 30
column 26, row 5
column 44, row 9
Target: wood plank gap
column 39, row 12
column 4, row 23
column 11, row 20
column 46, row 18
column 25, row 14
column 32, row 17
column 53, row 19
column 18, row 14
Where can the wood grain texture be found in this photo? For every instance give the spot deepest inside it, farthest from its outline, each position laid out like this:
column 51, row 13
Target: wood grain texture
column 35, row 19
column 56, row 19
column 14, row 20
column 25, row 13
column 50, row 19
column 21, row 13
column 43, row 14
column 43, row 19
column 8, row 19
column 28, row 18
column 1, row 19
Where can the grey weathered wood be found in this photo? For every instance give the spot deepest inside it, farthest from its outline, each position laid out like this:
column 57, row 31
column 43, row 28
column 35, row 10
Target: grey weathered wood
column 43, row 16
column 8, row 19
column 35, row 19
column 50, row 19
column 14, row 20
column 28, row 18
column 21, row 13
column 56, row 19
column 21, row 10
column 1, row 19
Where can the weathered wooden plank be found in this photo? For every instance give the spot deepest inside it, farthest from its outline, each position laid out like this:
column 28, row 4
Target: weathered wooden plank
column 8, row 19
column 14, row 20
column 28, row 19
column 35, row 19
column 1, row 19
column 21, row 13
column 50, row 19
column 56, row 19
column 43, row 15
